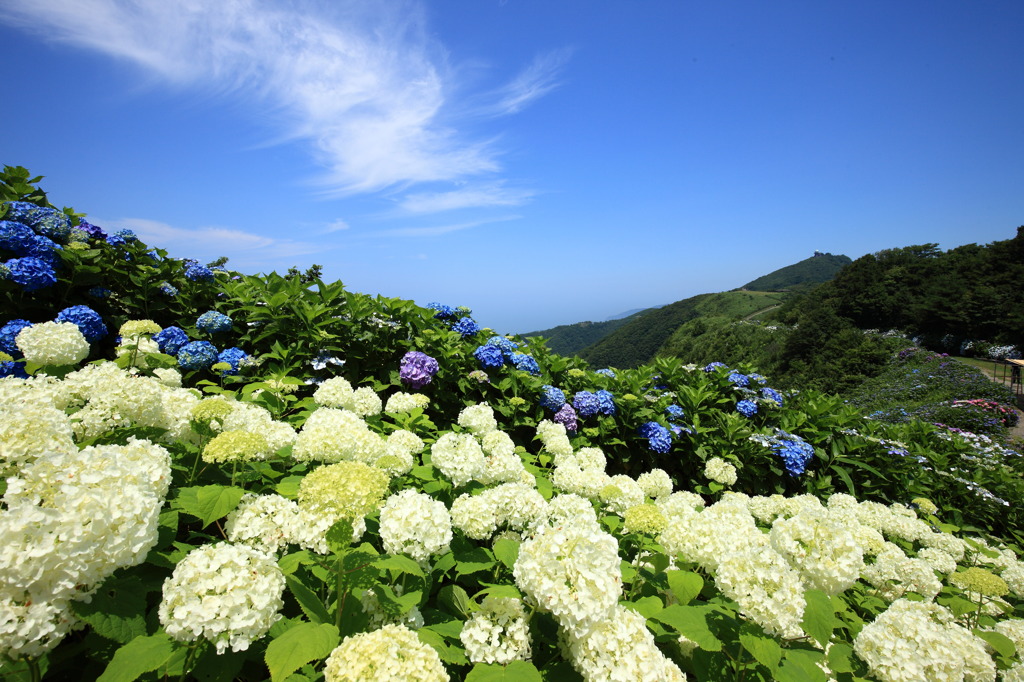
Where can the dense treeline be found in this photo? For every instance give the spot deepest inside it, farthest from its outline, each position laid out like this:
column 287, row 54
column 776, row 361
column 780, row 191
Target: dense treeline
column 569, row 339
column 820, row 267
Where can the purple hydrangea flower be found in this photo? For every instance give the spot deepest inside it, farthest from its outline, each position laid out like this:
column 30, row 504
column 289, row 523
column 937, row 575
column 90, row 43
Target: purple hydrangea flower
column 552, row 399
column 567, row 418
column 197, row 355
column 92, row 230
column 748, row 408
column 170, row 340
column 418, row 369
column 586, row 404
column 88, row 320
column 31, row 273
column 8, row 333
column 489, row 357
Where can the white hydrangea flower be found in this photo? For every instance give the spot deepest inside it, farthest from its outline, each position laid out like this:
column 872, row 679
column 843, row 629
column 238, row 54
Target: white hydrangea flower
column 570, row 508
column 681, row 501
column 30, row 429
column 619, row 647
column 570, row 478
column 593, row 458
column 168, row 376
column 706, row 536
column 53, row 343
column 402, row 403
column 266, row 522
column 573, row 571
column 478, row 418
column 913, row 641
column 620, row 493
column 720, row 471
column 937, row 559
column 256, row 419
column 767, row 590
column 228, row 594
column 459, row 457
column 498, row 632
column 501, row 464
column 393, row 652
column 767, row 508
column 893, row 574
column 821, row 548
column 655, row 483
column 947, row 542
column 333, row 435
column 517, row 505
column 415, row 524
column 475, row 515
column 1014, row 577
column 334, row 392
column 32, row 626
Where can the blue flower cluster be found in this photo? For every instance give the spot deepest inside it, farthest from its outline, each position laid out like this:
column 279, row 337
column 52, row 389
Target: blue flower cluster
column 122, row 237
column 586, row 404
column 500, row 350
column 168, row 289
column 8, row 334
column 566, row 416
column 508, row 346
column 738, row 379
column 794, row 451
column 441, row 311
column 526, row 363
column 197, row 272
column 489, row 357
column 674, row 412
column 659, row 439
column 196, row 355
column 610, row 373
column 10, row 368
column 213, row 322
column 552, row 398
column 91, row 230
column 88, row 320
column 466, row 327
column 713, row 366
column 170, row 339
column 772, row 395
column 748, row 408
column 235, row 357
column 43, row 220
column 99, row 292
column 607, row 402
column 31, row 273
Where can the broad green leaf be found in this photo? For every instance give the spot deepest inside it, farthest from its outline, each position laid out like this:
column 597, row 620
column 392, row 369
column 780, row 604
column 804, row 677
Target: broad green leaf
column 209, row 502
column 840, row 658
column 470, row 558
column 763, row 648
column 1003, row 645
column 686, row 585
column 646, row 606
column 214, row 667
column 455, row 599
column 116, row 610
column 500, row 590
column 289, row 486
column 506, row 551
column 449, row 629
column 958, row 605
column 290, row 563
column 339, row 536
column 141, row 655
column 400, row 563
column 690, row 621
column 298, row 646
column 819, row 617
column 516, row 671
column 800, row 665
column 448, row 653
column 308, row 601
column 358, row 569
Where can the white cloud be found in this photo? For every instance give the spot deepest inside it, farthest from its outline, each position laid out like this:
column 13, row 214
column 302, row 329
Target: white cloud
column 361, row 81
column 438, row 230
column 244, row 250
column 336, row 226
column 482, row 195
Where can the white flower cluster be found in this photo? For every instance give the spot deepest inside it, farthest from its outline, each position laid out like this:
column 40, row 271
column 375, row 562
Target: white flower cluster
column 72, row 518
column 655, row 483
column 228, row 594
column 478, row 418
column 30, row 428
column 913, row 641
column 459, row 457
column 333, row 435
column 393, row 652
column 399, row 449
column 554, row 438
column 485, row 454
column 498, row 632
column 415, row 524
column 821, row 547
column 403, row 403
column 720, row 471
column 515, row 505
column 338, row 393
column 53, row 343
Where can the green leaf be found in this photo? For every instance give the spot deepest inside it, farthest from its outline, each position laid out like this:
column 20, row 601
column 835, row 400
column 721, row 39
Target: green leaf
column 300, row 645
column 686, row 585
column 289, row 486
column 339, row 536
column 819, row 617
column 290, row 563
column 692, row 622
column 209, row 502
column 763, row 648
column 399, row 563
column 470, row 558
column 506, row 551
column 800, row 665
column 840, row 658
column 116, row 610
column 646, row 606
column 141, row 655
column 455, row 655
column 308, row 601
column 516, row 671
column 1003, row 645
column 455, row 599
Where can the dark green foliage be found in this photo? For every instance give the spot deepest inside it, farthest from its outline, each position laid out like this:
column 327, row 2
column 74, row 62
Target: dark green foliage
column 820, row 267
column 569, row 339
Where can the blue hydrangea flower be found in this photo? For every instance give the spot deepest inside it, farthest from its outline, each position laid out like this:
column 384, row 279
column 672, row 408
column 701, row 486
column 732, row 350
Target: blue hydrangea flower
column 525, row 363
column 43, row 248
column 466, row 326
column 88, row 320
column 586, row 404
column 31, row 273
column 213, row 322
column 738, row 379
column 197, row 272
column 610, row 373
column 417, row 369
column 122, row 237
column 552, row 399
column 168, row 289
column 674, row 412
column 235, row 357
column 659, row 439
column 713, row 366
column 99, row 292
column 441, row 311
column 43, row 219
column 794, row 451
column 91, row 230
column 507, row 346
column 21, row 212
column 748, row 408
column 772, row 394
column 607, row 401
column 754, row 376
column 566, row 416
column 489, row 357
column 10, row 368
column 14, row 236
column 7, row 335
column 196, row 355
column 170, row 340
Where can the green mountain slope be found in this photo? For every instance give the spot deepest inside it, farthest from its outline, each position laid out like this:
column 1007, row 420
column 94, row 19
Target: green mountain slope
column 819, row 268
column 569, row 339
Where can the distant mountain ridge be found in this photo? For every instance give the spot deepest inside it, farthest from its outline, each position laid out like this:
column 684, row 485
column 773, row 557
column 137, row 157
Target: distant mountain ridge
column 819, row 268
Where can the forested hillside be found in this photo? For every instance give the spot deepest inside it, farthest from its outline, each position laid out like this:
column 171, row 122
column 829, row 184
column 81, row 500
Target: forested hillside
column 820, row 267
column 569, row 339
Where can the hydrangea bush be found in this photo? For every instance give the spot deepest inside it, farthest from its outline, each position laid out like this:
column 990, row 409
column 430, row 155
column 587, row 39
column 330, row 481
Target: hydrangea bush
column 355, row 488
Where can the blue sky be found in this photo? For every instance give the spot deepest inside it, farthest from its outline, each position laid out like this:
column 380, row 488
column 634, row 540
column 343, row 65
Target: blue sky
column 540, row 162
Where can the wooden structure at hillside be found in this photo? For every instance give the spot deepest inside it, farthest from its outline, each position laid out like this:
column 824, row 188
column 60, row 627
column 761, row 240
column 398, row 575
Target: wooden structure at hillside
column 1010, row 370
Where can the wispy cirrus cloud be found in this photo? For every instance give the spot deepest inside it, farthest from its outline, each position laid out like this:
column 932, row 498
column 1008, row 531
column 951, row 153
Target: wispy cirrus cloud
column 247, row 250
column 438, row 230
column 471, row 196
column 362, row 82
